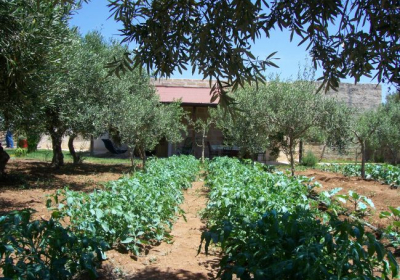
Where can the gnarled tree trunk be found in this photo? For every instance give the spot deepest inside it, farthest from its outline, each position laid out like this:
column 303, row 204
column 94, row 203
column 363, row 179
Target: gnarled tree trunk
column 363, row 157
column 56, row 130
column 301, row 151
column 291, row 153
column 76, row 158
column 58, row 157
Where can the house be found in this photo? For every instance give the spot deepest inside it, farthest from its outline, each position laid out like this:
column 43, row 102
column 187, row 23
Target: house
column 196, row 99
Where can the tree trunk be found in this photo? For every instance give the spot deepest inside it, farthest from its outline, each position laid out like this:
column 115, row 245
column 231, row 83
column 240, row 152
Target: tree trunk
column 72, row 151
column 301, row 151
column 144, row 159
column 356, row 159
column 142, row 152
column 91, row 145
column 291, row 153
column 363, row 156
column 58, row 157
column 56, row 130
column 322, row 153
column 203, row 146
column 132, row 157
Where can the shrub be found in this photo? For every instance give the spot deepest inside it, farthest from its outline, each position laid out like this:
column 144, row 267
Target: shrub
column 45, row 249
column 20, row 152
column 309, row 159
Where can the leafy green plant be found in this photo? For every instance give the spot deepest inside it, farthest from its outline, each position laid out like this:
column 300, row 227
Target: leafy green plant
column 393, row 229
column 309, row 159
column 20, row 152
column 268, row 227
column 134, row 211
column 361, row 204
column 294, row 245
column 43, row 249
column 389, row 174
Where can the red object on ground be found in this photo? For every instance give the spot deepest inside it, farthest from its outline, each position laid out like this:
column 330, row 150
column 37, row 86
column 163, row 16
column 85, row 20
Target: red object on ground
column 23, row 143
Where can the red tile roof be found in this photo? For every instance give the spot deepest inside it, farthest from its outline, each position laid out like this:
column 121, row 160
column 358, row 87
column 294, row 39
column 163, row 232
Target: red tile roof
column 188, row 95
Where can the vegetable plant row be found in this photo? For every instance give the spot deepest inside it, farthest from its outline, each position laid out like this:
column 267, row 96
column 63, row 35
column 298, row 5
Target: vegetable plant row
column 269, row 228
column 130, row 212
column 386, row 173
column 133, row 211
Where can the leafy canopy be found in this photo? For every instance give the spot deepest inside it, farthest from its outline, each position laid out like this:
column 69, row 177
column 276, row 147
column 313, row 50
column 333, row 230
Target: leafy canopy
column 346, row 38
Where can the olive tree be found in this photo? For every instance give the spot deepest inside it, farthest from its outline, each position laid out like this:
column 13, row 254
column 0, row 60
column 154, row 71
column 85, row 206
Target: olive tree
column 334, row 129
column 388, row 132
column 364, row 126
column 279, row 113
column 292, row 110
column 246, row 126
column 36, row 34
column 136, row 115
column 346, row 38
column 87, row 87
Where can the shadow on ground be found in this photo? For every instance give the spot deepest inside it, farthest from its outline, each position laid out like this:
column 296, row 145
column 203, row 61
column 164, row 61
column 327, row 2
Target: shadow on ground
column 153, row 273
column 40, row 175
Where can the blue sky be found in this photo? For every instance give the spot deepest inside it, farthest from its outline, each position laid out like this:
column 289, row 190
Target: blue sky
column 94, row 16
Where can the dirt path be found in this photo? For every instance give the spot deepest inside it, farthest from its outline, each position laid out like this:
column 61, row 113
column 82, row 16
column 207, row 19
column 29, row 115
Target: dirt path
column 178, row 260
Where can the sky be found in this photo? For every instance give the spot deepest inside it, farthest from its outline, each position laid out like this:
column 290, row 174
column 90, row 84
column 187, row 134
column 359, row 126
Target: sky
column 95, row 16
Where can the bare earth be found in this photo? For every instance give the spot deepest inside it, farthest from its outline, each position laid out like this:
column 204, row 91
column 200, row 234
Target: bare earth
column 381, row 195
column 178, row 260
column 29, row 182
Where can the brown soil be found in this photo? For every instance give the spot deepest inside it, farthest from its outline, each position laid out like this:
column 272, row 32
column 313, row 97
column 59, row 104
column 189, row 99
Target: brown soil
column 28, row 183
column 178, row 260
column 381, row 195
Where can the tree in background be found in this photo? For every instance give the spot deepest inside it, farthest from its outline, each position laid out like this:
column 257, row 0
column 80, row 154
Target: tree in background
column 279, row 113
column 292, row 110
column 137, row 116
column 334, row 129
column 363, row 126
column 87, row 87
column 388, row 132
column 246, row 127
column 202, row 127
column 35, row 37
column 345, row 38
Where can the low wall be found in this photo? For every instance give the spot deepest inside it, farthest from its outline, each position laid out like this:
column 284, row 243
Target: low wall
column 351, row 153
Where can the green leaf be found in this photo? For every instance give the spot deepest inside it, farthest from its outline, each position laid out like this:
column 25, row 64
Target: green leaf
column 99, row 214
column 9, row 248
column 127, row 240
column 379, row 250
column 394, row 266
column 105, row 227
column 369, row 202
column 384, row 214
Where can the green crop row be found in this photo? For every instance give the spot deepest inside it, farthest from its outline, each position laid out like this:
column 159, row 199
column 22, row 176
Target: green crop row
column 268, row 227
column 130, row 212
column 46, row 250
column 386, row 173
column 134, row 211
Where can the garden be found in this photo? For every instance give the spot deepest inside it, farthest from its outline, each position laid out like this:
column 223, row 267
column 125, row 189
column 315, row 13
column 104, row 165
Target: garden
column 71, row 215
column 181, row 219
